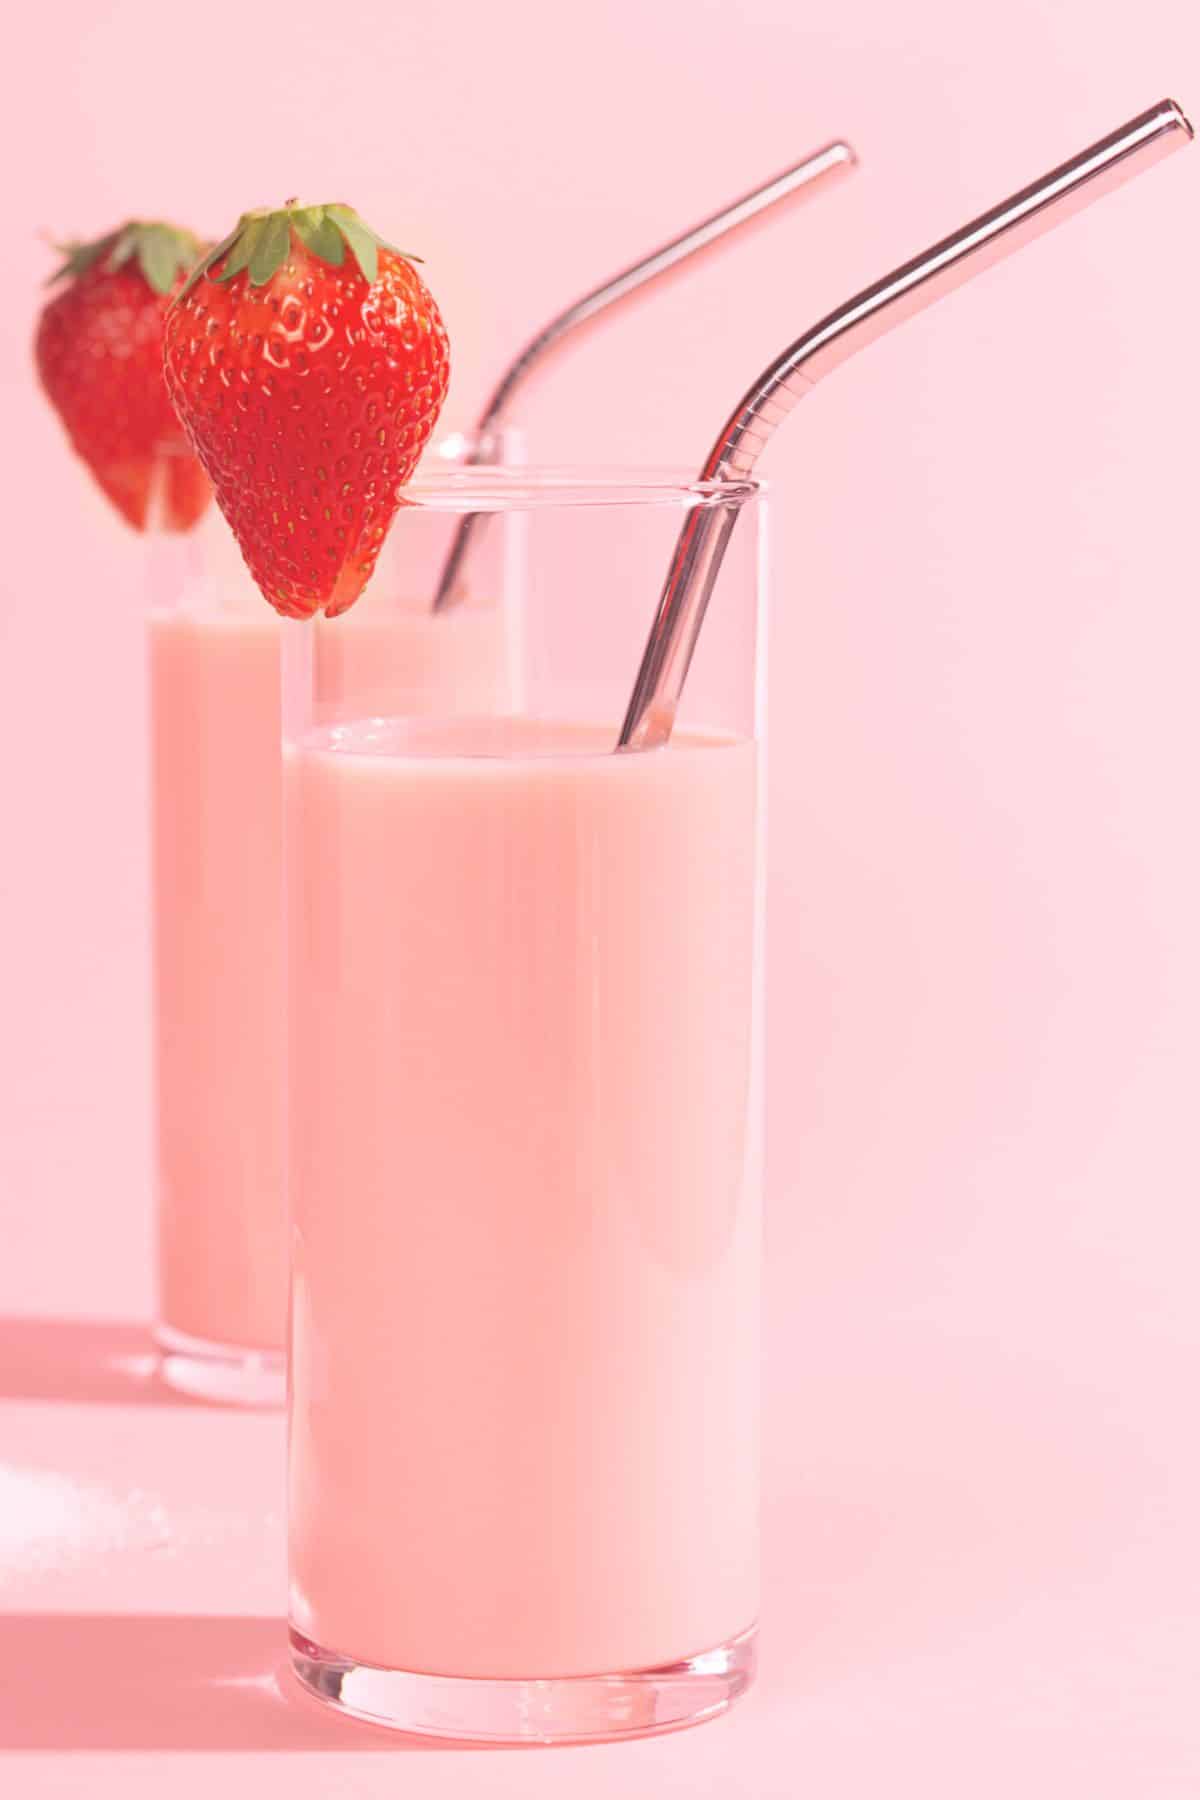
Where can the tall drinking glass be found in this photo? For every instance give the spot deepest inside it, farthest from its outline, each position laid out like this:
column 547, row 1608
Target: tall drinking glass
column 525, row 1143
column 217, row 831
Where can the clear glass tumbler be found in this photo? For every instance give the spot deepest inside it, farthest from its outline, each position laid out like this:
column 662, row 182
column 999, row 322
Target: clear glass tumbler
column 525, row 1141
column 217, row 833
column 217, row 888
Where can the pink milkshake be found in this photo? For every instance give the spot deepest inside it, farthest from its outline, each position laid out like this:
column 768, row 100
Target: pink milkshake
column 219, row 936
column 525, row 1187
column 524, row 1142
column 219, row 986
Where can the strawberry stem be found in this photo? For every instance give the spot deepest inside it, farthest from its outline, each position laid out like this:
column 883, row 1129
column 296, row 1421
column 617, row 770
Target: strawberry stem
column 261, row 242
column 162, row 253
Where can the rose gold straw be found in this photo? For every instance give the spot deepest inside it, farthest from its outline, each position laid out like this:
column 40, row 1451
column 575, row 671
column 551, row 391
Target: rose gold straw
column 907, row 290
column 567, row 328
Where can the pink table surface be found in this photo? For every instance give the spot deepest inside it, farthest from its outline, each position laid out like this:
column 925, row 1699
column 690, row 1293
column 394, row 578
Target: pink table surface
column 980, row 1562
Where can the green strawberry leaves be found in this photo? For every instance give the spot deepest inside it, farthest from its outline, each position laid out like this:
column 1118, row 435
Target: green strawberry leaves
column 360, row 240
column 158, row 252
column 162, row 252
column 261, row 243
column 80, row 257
column 319, row 234
column 241, row 249
column 271, row 250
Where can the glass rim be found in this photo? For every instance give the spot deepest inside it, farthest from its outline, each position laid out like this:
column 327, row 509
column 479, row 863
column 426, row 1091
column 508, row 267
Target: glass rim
column 444, row 481
column 527, row 487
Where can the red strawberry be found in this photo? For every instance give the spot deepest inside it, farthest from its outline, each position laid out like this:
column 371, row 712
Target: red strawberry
column 309, row 381
column 99, row 355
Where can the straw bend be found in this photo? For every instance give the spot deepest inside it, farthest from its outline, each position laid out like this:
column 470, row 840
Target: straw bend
column 818, row 169
column 879, row 308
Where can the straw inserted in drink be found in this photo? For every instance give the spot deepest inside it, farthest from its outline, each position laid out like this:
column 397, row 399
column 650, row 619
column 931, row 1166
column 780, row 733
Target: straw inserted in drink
column 907, row 290
column 818, row 169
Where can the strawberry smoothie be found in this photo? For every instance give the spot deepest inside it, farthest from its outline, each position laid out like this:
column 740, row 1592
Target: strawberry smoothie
column 219, row 973
column 525, row 1177
column 219, row 958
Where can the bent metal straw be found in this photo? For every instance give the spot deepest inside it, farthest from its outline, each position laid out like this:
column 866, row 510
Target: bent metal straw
column 819, row 169
column 907, row 290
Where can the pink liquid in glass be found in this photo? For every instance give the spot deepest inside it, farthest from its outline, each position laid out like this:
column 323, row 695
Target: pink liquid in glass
column 219, row 931
column 219, row 974
column 525, row 1185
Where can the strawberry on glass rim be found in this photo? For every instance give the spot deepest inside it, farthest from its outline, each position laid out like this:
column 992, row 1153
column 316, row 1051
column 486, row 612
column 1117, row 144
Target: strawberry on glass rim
column 308, row 363
column 98, row 351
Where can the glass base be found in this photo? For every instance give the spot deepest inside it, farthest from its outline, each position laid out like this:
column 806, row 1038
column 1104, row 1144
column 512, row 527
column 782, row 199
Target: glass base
column 577, row 1709
column 228, row 1374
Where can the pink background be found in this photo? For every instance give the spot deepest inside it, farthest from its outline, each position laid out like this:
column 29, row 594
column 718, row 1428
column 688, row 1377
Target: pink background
column 982, row 1479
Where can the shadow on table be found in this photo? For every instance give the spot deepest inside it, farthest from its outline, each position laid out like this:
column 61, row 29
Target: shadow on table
column 83, row 1360
column 89, row 1681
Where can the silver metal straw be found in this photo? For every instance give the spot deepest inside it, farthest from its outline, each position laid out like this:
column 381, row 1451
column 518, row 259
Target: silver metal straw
column 823, row 166
column 908, row 290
